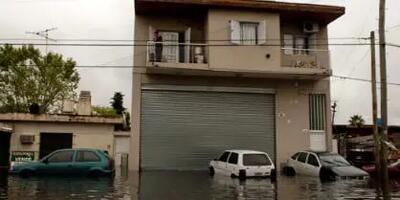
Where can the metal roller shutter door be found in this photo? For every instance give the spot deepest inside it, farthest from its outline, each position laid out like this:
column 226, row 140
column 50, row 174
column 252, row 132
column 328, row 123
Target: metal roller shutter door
column 184, row 130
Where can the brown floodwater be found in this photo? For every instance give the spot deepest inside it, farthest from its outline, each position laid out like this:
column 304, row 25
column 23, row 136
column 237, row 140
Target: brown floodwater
column 167, row 185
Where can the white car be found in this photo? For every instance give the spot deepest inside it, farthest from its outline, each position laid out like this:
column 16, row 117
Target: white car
column 327, row 166
column 242, row 164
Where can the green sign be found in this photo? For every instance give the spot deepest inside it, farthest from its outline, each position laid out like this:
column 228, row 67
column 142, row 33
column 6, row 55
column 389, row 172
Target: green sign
column 22, row 156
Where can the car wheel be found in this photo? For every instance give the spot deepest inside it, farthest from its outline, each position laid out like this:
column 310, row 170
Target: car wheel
column 211, row 171
column 273, row 175
column 327, row 174
column 242, row 175
column 289, row 171
column 27, row 173
column 95, row 173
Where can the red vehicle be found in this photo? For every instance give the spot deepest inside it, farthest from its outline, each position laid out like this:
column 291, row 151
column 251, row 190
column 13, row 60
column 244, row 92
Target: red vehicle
column 393, row 169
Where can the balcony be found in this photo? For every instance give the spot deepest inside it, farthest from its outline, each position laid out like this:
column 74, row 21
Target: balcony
column 306, row 61
column 176, row 55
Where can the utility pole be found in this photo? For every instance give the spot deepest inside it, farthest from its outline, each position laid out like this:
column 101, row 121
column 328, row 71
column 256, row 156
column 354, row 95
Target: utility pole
column 375, row 110
column 384, row 114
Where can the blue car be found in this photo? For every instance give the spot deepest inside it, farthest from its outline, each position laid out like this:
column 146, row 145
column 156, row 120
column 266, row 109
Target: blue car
column 92, row 162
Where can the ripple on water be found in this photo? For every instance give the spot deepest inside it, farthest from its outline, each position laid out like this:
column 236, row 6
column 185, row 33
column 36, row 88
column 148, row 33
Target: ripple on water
column 186, row 185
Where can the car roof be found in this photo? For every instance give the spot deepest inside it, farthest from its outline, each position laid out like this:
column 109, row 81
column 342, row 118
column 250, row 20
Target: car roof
column 241, row 151
column 74, row 149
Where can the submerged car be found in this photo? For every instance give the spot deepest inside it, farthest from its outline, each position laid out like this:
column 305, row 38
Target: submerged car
column 242, row 164
column 92, row 162
column 328, row 166
column 393, row 169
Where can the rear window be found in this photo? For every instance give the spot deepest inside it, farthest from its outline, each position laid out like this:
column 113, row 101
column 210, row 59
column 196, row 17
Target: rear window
column 255, row 160
column 87, row 156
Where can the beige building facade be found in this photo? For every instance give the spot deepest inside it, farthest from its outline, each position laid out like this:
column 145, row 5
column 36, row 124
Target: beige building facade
column 228, row 74
column 34, row 136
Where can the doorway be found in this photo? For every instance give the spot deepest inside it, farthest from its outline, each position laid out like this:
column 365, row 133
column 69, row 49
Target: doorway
column 50, row 142
column 5, row 149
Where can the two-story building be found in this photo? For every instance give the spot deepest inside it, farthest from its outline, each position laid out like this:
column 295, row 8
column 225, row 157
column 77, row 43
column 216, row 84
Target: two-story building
column 212, row 75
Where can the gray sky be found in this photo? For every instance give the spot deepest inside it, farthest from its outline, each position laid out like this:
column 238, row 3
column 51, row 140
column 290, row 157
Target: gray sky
column 113, row 19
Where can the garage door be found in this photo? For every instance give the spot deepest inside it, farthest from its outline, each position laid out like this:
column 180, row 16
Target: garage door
column 184, row 130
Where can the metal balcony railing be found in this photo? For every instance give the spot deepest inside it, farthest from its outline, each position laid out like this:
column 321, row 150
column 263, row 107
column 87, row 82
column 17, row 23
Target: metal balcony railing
column 305, row 58
column 174, row 52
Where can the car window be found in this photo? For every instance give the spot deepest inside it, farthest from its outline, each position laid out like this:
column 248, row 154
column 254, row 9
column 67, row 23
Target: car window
column 302, row 157
column 224, row 156
column 233, row 159
column 87, row 156
column 255, row 160
column 295, row 156
column 62, row 156
column 312, row 160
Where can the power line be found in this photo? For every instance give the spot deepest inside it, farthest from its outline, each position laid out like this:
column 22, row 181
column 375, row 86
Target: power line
column 129, row 40
column 144, row 45
column 360, row 79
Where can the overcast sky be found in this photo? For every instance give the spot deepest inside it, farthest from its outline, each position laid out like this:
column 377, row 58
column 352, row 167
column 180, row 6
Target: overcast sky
column 114, row 19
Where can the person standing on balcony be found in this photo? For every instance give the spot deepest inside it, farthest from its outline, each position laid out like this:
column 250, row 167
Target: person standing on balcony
column 158, row 45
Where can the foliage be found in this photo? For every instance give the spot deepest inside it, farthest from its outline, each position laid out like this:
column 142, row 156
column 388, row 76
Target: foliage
column 127, row 120
column 104, row 111
column 117, row 102
column 27, row 77
column 356, row 120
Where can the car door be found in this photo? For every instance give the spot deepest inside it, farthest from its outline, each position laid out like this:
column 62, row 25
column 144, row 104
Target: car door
column 221, row 163
column 60, row 162
column 312, row 166
column 232, row 164
column 85, row 160
column 301, row 161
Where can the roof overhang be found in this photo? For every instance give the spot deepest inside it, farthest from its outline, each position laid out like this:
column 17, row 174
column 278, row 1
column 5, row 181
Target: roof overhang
column 26, row 117
column 321, row 13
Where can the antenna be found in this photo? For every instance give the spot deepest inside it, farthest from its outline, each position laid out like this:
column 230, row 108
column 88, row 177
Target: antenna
column 44, row 34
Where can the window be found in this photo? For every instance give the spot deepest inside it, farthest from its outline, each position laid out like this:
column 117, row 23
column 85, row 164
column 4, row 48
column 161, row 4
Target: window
column 233, row 159
column 87, row 156
column 317, row 112
column 298, row 44
column 302, row 157
column 255, row 160
column 63, row 156
column 248, row 33
column 295, row 156
column 312, row 160
column 224, row 157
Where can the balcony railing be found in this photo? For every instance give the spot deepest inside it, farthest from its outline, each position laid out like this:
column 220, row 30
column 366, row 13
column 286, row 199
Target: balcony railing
column 305, row 58
column 174, row 52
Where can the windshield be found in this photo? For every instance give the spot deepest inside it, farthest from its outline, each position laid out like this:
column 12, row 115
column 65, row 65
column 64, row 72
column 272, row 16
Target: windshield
column 255, row 160
column 333, row 160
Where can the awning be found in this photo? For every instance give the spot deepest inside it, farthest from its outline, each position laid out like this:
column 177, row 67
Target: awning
column 4, row 128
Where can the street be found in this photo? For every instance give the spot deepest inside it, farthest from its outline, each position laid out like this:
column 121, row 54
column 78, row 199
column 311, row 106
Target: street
column 184, row 185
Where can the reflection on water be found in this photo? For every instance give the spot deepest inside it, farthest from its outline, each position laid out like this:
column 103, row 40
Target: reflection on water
column 185, row 185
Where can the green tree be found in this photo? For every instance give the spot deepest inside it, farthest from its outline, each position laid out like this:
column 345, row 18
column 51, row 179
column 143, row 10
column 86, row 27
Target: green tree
column 104, row 111
column 27, row 78
column 117, row 102
column 356, row 120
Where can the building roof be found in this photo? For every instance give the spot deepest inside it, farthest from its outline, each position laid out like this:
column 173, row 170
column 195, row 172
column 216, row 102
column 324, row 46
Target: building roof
column 26, row 117
column 320, row 13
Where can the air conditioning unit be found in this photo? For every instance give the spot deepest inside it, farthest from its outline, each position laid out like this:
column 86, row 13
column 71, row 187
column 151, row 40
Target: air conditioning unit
column 27, row 139
column 310, row 27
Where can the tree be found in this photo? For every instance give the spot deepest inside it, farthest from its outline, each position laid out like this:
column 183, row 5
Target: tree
column 356, row 120
column 117, row 102
column 27, row 78
column 104, row 111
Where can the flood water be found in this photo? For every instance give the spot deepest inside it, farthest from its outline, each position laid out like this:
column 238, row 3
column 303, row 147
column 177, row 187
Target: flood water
column 184, row 185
